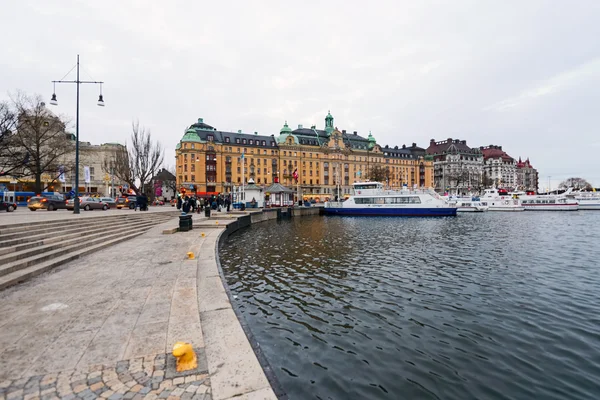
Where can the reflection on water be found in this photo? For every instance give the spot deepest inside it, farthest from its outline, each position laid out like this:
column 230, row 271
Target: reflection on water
column 487, row 306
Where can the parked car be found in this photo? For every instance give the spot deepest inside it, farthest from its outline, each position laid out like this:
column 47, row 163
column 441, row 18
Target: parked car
column 109, row 201
column 50, row 202
column 9, row 207
column 126, row 202
column 87, row 204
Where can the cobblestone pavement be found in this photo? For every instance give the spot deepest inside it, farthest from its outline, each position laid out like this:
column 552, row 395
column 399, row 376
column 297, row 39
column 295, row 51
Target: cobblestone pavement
column 140, row 378
column 64, row 334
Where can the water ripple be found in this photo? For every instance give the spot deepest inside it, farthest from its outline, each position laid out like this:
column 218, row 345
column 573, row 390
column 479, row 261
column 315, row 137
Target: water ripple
column 490, row 306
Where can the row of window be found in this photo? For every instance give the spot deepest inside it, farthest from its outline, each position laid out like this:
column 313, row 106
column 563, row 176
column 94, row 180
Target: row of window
column 388, row 200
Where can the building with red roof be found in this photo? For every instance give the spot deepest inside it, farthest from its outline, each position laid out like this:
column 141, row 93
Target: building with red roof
column 498, row 167
column 527, row 176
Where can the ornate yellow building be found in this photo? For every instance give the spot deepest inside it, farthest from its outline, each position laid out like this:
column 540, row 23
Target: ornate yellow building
column 317, row 163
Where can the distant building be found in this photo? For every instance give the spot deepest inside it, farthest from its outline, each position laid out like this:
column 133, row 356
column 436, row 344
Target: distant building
column 499, row 169
column 316, row 163
column 457, row 168
column 163, row 185
column 527, row 176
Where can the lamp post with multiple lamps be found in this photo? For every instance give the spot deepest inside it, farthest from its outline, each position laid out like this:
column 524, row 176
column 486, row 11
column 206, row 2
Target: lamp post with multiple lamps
column 54, row 102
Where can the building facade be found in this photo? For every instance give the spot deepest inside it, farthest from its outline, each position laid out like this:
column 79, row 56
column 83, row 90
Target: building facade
column 527, row 176
column 458, row 169
column 317, row 163
column 93, row 178
column 498, row 167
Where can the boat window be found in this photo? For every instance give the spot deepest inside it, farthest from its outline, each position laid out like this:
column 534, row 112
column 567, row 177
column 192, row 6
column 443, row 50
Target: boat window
column 379, row 200
column 364, row 200
column 414, row 200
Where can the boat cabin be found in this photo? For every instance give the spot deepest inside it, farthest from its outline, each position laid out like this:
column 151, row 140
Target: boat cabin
column 367, row 188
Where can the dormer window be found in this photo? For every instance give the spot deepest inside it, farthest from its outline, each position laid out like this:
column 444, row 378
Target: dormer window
column 237, row 140
column 264, row 142
column 210, row 138
column 243, row 141
column 251, row 141
column 227, row 139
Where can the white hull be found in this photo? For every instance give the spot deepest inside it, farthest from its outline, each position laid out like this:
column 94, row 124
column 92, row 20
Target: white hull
column 471, row 209
column 589, row 206
column 506, row 208
column 547, row 207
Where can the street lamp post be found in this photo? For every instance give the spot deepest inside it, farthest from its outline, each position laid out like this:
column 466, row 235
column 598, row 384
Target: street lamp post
column 54, row 102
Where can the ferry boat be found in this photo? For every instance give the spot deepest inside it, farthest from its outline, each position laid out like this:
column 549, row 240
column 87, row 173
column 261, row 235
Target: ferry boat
column 370, row 198
column 549, row 203
column 499, row 200
column 469, row 205
column 586, row 200
column 560, row 202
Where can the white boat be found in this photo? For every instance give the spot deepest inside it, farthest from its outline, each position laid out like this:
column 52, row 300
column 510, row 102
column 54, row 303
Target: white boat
column 586, row 200
column 549, row 202
column 469, row 204
column 370, row 198
column 499, row 200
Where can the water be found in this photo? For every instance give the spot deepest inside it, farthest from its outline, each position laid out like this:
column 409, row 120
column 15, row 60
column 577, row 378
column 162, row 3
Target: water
column 481, row 306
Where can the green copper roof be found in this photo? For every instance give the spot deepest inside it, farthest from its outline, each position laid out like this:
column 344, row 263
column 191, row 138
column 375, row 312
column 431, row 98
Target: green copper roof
column 191, row 136
column 285, row 129
column 283, row 137
column 372, row 141
column 329, row 123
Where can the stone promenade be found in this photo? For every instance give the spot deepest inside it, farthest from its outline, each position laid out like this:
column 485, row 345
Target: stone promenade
column 103, row 326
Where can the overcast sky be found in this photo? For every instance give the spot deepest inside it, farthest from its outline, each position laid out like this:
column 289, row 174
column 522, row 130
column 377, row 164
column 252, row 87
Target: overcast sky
column 523, row 74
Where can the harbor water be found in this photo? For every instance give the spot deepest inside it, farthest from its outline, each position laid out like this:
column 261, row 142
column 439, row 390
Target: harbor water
column 480, row 306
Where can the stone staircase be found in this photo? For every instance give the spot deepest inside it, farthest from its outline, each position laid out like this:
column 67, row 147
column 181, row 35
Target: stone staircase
column 30, row 249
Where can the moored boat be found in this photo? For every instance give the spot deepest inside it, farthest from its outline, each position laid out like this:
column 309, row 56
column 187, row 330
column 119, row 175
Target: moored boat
column 499, row 200
column 370, row 198
column 550, row 202
column 469, row 205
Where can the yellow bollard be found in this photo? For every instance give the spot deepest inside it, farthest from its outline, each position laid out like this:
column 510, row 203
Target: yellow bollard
column 190, row 255
column 217, row 222
column 203, row 234
column 186, row 358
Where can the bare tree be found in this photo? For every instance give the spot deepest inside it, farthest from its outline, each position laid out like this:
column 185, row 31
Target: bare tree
column 378, row 173
column 8, row 123
column 575, row 183
column 38, row 145
column 137, row 163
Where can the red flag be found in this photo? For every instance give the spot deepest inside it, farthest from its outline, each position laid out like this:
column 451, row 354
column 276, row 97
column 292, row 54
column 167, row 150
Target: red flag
column 295, row 174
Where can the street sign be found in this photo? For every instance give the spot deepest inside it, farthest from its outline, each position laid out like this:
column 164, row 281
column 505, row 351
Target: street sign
column 191, row 187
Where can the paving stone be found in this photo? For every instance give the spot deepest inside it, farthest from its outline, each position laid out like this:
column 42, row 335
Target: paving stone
column 96, row 386
column 177, row 392
column 68, row 397
column 178, row 381
column 116, row 396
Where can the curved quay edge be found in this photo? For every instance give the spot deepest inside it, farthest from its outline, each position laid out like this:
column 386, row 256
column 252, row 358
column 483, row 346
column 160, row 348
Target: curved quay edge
column 237, row 366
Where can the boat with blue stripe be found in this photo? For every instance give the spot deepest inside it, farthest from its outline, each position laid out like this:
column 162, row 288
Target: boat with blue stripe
column 371, row 199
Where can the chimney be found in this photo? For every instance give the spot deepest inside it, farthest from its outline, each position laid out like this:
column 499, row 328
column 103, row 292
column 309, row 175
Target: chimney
column 356, row 133
column 414, row 145
column 239, row 131
column 299, row 126
column 256, row 133
column 403, row 146
column 200, row 120
column 463, row 142
column 395, row 147
column 449, row 140
column 313, row 127
column 344, row 131
column 432, row 142
column 499, row 147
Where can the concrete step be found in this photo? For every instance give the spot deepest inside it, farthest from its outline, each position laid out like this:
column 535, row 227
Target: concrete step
column 39, row 268
column 9, row 237
column 64, row 248
column 27, row 236
column 60, row 221
column 60, row 239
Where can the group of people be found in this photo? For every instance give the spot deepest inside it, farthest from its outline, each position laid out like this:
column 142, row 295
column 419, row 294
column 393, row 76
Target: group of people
column 192, row 204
